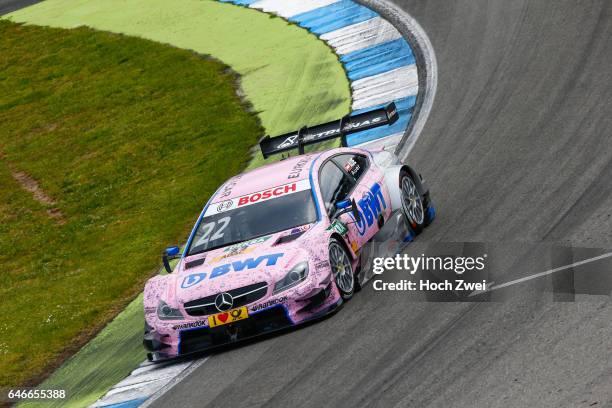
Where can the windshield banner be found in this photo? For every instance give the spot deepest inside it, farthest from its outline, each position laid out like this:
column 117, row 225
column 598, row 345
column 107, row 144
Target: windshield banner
column 257, row 197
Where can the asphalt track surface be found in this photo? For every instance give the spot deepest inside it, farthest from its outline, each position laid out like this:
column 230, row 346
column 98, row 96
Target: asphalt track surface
column 7, row 6
column 517, row 147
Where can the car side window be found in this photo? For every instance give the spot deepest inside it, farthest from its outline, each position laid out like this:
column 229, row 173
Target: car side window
column 354, row 164
column 335, row 185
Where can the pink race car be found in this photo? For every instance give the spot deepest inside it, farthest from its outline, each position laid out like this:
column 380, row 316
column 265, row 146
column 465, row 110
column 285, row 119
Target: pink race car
column 279, row 246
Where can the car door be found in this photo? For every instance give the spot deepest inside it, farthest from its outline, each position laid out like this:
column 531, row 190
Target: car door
column 337, row 185
column 369, row 194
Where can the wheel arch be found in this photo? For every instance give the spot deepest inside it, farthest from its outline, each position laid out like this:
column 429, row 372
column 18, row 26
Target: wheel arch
column 344, row 244
column 392, row 176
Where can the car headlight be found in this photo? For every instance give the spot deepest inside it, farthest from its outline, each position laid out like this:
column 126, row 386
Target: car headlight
column 165, row 312
column 296, row 275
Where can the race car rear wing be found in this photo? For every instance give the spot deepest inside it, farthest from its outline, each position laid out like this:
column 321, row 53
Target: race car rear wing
column 330, row 130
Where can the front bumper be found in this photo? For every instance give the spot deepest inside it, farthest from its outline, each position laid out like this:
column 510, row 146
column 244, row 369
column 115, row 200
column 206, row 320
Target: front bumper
column 205, row 338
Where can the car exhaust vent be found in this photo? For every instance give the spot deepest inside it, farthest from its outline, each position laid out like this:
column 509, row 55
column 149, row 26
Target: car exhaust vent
column 195, row 263
column 289, row 238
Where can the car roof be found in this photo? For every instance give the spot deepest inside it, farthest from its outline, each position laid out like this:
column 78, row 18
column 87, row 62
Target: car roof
column 289, row 170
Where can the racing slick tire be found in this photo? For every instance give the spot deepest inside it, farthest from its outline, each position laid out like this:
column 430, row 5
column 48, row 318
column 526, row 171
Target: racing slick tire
column 342, row 270
column 413, row 203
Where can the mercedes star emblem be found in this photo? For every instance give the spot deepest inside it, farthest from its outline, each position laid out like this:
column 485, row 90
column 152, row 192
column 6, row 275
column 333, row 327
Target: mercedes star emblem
column 224, row 301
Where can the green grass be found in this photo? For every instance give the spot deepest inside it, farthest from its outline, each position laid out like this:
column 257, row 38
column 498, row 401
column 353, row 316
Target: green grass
column 130, row 138
column 102, row 363
column 290, row 77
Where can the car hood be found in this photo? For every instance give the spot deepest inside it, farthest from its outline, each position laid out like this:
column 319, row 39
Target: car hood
column 264, row 259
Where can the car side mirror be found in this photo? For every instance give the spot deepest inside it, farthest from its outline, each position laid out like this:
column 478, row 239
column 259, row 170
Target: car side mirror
column 170, row 253
column 348, row 206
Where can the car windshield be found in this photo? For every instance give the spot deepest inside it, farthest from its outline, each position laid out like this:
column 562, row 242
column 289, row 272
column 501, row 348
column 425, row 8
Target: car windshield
column 252, row 221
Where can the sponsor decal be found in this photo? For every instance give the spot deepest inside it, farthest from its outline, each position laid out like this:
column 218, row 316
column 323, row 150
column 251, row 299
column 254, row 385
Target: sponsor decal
column 149, row 310
column 224, row 205
column 299, row 230
column 296, row 171
column 240, row 249
column 190, row 325
column 266, row 194
column 339, row 227
column 354, row 247
column 293, row 139
column 246, row 244
column 236, row 266
column 352, row 167
column 322, row 264
column 226, row 191
column 267, row 304
column 192, row 280
column 370, row 206
column 320, row 135
column 290, row 141
column 249, row 263
column 257, row 197
column 357, row 125
column 228, row 317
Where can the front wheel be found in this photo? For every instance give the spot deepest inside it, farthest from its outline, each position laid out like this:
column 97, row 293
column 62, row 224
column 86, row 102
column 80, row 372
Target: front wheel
column 412, row 203
column 341, row 269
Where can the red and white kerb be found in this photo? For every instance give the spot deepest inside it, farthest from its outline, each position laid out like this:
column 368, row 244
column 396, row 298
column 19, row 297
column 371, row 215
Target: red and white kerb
column 257, row 197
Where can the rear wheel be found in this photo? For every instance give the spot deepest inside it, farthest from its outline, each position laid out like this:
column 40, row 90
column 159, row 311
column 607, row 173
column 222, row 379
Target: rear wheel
column 341, row 269
column 412, row 203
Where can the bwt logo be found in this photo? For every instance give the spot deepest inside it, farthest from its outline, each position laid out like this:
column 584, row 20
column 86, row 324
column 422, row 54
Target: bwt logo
column 236, row 266
column 370, row 207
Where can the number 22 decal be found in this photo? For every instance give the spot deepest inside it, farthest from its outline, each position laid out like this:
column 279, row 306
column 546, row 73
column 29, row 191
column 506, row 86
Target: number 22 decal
column 207, row 230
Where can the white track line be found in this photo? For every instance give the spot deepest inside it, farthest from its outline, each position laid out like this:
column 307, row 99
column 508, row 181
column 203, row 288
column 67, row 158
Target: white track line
column 388, row 86
column 545, row 273
column 161, row 391
column 289, row 8
column 362, row 35
column 144, row 381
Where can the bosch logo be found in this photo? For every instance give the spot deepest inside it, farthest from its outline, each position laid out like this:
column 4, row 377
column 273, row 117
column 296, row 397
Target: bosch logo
column 264, row 195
